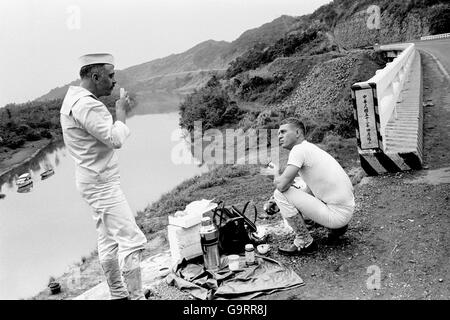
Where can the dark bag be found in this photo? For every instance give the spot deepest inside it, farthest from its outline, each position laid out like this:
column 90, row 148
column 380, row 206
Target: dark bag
column 235, row 229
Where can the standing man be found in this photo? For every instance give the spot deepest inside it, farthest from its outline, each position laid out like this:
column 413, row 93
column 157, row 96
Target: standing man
column 91, row 137
column 313, row 184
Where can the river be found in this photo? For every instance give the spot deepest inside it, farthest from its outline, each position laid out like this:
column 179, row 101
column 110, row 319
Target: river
column 45, row 230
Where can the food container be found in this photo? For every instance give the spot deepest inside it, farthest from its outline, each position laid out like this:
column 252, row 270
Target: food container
column 263, row 249
column 233, row 262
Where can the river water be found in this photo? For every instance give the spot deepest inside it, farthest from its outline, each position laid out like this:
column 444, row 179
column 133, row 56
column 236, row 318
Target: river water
column 45, row 230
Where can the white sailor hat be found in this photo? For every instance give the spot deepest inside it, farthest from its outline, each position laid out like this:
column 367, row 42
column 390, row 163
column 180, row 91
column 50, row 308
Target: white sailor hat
column 95, row 58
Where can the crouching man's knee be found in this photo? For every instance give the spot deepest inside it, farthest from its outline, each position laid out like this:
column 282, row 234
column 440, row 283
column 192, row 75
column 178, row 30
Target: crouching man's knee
column 287, row 209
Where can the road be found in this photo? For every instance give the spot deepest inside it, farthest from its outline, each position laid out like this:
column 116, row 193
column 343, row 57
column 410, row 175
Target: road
column 440, row 50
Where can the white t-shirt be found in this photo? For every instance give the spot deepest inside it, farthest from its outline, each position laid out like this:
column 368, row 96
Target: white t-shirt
column 322, row 173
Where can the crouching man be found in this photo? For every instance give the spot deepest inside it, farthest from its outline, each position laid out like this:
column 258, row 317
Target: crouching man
column 314, row 185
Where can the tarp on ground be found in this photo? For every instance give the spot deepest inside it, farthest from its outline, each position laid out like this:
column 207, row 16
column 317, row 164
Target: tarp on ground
column 265, row 277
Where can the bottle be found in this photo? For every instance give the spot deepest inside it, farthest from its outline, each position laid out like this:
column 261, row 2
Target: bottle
column 209, row 240
column 249, row 254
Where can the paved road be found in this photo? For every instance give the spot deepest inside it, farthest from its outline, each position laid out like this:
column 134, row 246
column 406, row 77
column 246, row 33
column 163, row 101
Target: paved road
column 440, row 49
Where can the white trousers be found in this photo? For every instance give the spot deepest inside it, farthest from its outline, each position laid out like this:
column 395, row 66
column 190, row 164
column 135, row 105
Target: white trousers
column 328, row 215
column 118, row 234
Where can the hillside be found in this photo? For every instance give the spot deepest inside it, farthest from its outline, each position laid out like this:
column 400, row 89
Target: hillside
column 161, row 84
column 309, row 70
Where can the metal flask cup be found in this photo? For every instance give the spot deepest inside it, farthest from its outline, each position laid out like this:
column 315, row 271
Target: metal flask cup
column 209, row 240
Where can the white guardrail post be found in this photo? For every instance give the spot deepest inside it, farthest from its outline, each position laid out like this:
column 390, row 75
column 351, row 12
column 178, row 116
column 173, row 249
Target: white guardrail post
column 374, row 100
column 436, row 36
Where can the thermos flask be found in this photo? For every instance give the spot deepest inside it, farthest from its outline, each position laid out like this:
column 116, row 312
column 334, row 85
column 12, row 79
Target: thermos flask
column 209, row 240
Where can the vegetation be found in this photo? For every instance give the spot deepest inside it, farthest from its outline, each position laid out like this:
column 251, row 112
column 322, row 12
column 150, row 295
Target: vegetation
column 211, row 105
column 440, row 19
column 154, row 217
column 33, row 121
column 30, row 121
column 284, row 47
column 339, row 10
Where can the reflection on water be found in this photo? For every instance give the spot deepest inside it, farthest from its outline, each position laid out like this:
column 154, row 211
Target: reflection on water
column 25, row 189
column 48, row 227
column 48, row 173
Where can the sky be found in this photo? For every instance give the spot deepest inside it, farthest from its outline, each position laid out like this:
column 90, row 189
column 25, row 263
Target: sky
column 42, row 39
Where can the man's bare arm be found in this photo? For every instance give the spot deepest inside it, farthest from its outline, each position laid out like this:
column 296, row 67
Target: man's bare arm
column 284, row 181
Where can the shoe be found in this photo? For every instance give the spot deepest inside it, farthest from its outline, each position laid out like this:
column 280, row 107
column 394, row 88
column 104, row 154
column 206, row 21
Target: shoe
column 293, row 250
column 309, row 224
column 334, row 234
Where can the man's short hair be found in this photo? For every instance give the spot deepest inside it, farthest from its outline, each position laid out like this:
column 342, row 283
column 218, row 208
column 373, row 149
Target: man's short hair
column 86, row 71
column 295, row 123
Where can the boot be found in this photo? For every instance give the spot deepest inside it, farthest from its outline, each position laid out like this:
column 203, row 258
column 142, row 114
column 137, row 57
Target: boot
column 132, row 275
column 116, row 286
column 133, row 280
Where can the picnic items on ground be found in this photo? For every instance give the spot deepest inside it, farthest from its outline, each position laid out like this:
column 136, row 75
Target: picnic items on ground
column 184, row 230
column 249, row 254
column 224, row 230
column 214, row 256
column 246, row 282
column 209, row 240
column 235, row 228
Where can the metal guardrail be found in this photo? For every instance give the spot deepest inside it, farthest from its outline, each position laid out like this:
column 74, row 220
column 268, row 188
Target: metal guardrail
column 376, row 98
column 436, row 36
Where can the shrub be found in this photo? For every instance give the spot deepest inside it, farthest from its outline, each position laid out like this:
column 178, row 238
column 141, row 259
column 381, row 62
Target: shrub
column 33, row 135
column 439, row 17
column 15, row 142
column 46, row 134
column 211, row 105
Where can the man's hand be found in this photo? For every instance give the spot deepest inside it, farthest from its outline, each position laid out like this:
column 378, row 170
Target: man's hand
column 270, row 170
column 122, row 106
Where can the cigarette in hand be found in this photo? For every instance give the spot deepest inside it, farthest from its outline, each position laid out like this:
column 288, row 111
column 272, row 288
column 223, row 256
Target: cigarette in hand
column 122, row 93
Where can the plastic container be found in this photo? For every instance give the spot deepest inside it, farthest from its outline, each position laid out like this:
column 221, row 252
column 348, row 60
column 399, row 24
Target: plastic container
column 233, row 262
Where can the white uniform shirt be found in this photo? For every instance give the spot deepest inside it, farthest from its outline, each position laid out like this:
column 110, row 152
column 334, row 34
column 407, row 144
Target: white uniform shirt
column 322, row 173
column 91, row 136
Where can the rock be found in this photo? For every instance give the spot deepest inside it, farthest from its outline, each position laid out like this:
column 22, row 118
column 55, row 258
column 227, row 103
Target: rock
column 441, row 280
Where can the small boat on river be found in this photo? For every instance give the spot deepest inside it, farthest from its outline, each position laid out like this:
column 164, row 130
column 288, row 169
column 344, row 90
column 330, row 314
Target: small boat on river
column 24, row 183
column 47, row 173
column 24, row 180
